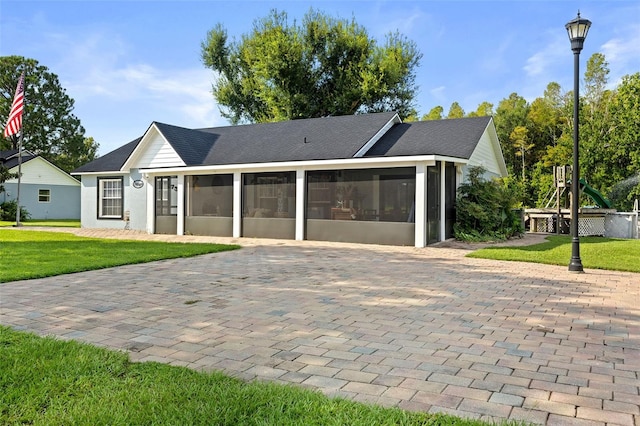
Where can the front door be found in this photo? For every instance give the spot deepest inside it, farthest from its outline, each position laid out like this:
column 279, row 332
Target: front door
column 433, row 204
column 167, row 205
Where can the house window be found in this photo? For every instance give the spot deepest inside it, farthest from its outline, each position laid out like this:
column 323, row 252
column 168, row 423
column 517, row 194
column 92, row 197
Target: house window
column 110, row 205
column 44, row 195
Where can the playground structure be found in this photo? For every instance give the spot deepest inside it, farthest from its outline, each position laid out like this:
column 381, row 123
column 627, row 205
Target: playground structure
column 598, row 220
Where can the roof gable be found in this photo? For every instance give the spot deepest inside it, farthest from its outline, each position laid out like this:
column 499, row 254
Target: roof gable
column 450, row 137
column 155, row 149
column 37, row 170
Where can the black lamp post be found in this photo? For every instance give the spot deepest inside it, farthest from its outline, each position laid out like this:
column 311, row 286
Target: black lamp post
column 577, row 30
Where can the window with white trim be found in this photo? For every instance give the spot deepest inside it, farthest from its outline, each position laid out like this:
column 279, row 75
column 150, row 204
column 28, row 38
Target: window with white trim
column 44, row 195
column 110, row 198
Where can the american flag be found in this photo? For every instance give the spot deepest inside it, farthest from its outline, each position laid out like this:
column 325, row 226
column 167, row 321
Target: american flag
column 14, row 123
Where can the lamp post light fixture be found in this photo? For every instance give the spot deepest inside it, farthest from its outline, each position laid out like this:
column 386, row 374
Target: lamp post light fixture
column 577, row 30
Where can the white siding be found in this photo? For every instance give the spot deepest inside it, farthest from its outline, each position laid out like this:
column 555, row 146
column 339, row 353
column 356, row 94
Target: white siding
column 485, row 155
column 157, row 153
column 40, row 171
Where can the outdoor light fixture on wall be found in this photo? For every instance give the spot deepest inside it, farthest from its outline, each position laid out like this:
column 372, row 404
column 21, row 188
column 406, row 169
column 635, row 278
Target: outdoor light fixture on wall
column 577, row 30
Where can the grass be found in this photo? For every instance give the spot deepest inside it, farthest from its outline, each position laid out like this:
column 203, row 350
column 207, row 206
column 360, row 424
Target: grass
column 59, row 223
column 35, row 254
column 595, row 252
column 52, row 382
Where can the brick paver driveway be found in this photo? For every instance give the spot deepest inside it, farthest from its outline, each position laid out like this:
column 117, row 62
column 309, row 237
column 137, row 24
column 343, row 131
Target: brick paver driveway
column 423, row 329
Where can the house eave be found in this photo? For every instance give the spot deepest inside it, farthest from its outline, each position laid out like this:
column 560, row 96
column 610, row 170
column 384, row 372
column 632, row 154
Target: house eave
column 351, row 163
column 102, row 173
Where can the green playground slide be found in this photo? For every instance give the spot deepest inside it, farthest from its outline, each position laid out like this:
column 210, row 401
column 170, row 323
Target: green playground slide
column 595, row 195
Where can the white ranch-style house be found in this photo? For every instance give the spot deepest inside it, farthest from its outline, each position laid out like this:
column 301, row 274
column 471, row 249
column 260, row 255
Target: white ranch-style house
column 365, row 178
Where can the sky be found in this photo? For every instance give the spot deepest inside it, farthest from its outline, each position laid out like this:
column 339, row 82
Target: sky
column 127, row 63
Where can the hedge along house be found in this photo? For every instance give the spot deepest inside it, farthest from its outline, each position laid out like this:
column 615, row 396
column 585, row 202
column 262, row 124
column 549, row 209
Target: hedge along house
column 363, row 178
column 46, row 191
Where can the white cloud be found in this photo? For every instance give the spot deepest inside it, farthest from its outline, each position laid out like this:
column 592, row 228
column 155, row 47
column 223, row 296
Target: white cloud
column 438, row 93
column 117, row 95
column 623, row 52
column 539, row 64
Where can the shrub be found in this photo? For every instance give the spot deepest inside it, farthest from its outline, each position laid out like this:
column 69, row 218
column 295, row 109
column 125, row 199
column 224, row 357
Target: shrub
column 8, row 211
column 485, row 209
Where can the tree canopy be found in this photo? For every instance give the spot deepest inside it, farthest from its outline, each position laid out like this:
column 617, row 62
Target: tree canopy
column 321, row 67
column 537, row 135
column 50, row 129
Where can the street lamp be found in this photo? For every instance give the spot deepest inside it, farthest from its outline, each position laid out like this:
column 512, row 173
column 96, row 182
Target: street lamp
column 577, row 30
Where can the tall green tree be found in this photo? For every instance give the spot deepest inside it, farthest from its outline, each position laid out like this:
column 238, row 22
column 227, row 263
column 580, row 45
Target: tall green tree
column 520, row 139
column 485, row 109
column 596, row 125
column 323, row 66
column 49, row 126
column 624, row 141
column 455, row 111
column 511, row 113
column 434, row 114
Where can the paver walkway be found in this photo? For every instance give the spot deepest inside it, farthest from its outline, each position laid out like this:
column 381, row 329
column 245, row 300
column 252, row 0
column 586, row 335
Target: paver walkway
column 422, row 329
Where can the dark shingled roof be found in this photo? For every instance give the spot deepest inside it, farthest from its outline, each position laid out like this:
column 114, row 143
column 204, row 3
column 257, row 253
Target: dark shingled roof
column 191, row 145
column 296, row 140
column 110, row 162
column 308, row 139
column 9, row 159
column 451, row 137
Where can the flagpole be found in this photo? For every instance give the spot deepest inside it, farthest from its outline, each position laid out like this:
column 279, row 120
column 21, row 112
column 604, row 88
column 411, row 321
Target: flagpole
column 13, row 126
column 18, row 224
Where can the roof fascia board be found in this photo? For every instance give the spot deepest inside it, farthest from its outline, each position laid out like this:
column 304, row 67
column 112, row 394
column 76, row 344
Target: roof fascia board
column 109, row 173
column 142, row 145
column 50, row 164
column 24, row 153
column 367, row 146
column 493, row 135
column 455, row 160
column 361, row 163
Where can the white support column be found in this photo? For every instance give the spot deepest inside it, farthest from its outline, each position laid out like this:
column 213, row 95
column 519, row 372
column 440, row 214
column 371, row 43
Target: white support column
column 180, row 206
column 301, row 191
column 459, row 175
column 443, row 198
column 237, row 204
column 151, row 204
column 421, row 206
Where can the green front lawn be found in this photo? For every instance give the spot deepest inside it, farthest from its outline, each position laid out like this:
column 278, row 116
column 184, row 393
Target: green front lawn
column 34, row 254
column 52, row 382
column 595, row 252
column 58, row 223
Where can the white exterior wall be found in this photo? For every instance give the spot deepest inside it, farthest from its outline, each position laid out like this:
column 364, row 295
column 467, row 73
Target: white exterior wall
column 485, row 156
column 135, row 202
